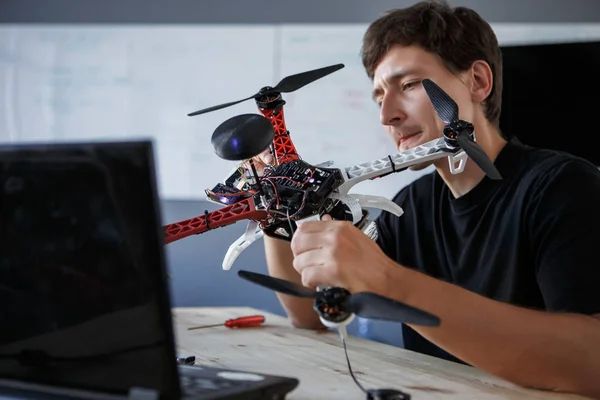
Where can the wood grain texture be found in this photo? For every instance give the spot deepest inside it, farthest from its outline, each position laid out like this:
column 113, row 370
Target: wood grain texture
column 317, row 360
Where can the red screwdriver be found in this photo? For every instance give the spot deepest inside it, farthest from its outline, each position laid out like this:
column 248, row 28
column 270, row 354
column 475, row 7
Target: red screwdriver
column 241, row 322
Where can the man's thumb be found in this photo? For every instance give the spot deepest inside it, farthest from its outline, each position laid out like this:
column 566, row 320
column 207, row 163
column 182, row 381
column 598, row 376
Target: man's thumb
column 326, row 217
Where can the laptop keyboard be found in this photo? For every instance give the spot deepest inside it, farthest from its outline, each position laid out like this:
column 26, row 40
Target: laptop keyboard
column 192, row 385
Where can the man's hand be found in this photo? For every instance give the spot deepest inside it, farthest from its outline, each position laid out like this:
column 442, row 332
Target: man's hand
column 336, row 253
column 260, row 161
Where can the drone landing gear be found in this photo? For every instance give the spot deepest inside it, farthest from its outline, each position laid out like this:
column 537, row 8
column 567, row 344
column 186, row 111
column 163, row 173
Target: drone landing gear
column 252, row 234
column 380, row 202
column 461, row 158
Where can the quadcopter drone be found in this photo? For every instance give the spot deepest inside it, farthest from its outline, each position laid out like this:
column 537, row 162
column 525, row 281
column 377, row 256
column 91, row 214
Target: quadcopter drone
column 292, row 190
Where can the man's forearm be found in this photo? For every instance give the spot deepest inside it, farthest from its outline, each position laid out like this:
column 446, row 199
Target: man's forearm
column 280, row 264
column 532, row 348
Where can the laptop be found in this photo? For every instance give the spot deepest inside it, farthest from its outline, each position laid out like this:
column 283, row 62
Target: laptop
column 85, row 308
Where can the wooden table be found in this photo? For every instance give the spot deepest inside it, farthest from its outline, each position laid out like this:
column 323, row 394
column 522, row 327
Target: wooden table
column 317, row 359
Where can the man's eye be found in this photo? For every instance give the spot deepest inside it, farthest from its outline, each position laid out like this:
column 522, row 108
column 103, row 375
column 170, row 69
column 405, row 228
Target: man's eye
column 409, row 85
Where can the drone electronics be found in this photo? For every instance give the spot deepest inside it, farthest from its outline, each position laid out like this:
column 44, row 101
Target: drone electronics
column 291, row 190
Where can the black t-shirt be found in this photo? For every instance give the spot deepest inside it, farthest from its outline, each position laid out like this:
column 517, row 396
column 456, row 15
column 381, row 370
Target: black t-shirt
column 530, row 239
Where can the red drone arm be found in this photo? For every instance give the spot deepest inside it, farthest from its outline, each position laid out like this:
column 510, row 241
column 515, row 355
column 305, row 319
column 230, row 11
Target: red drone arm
column 284, row 147
column 244, row 209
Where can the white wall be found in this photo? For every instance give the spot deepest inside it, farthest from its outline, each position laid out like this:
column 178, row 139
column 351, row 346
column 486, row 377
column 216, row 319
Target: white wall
column 118, row 82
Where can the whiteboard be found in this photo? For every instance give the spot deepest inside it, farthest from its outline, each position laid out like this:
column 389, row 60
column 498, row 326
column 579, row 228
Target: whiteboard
column 116, row 82
column 72, row 83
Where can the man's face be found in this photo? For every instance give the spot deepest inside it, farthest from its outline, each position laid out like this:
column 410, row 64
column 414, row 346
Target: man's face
column 405, row 109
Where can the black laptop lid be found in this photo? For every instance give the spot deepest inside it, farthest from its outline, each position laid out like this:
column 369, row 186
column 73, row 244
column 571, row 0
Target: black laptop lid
column 83, row 299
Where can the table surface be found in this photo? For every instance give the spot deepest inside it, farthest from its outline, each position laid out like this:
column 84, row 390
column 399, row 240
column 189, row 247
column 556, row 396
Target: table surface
column 317, row 359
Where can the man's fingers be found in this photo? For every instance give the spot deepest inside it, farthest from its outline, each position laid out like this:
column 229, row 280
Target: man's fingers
column 302, row 242
column 308, row 259
column 265, row 157
column 268, row 158
column 260, row 161
column 316, row 276
column 325, row 225
column 326, row 217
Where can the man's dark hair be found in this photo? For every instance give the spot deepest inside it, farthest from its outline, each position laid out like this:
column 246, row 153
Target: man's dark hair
column 459, row 36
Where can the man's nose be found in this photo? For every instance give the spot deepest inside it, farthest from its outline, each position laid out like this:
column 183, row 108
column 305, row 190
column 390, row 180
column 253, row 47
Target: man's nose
column 390, row 112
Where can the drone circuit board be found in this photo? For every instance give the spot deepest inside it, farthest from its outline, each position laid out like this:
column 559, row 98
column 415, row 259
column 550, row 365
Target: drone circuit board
column 294, row 189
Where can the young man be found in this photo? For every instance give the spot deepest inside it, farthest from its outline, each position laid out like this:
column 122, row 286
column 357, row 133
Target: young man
column 508, row 265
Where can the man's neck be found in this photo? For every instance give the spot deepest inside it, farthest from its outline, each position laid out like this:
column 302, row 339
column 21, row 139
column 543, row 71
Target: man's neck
column 489, row 139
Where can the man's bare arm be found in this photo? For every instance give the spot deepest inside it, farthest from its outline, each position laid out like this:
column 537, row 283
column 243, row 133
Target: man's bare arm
column 280, row 264
column 280, row 261
column 543, row 350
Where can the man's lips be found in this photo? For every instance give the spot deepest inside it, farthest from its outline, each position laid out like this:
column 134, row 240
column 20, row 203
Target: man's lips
column 407, row 138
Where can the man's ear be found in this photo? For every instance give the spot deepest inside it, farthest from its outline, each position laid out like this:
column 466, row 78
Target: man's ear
column 482, row 81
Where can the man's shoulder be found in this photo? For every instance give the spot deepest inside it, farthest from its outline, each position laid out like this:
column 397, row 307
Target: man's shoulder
column 548, row 158
column 543, row 166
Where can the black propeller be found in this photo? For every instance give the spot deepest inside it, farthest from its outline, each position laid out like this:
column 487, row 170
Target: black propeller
column 459, row 130
column 242, row 137
column 286, row 85
column 364, row 304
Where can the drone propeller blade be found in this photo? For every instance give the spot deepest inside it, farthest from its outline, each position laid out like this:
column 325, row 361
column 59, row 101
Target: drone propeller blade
column 371, row 305
column 478, row 156
column 286, row 85
column 447, row 110
column 278, row 285
column 294, row 82
column 218, row 107
column 444, row 106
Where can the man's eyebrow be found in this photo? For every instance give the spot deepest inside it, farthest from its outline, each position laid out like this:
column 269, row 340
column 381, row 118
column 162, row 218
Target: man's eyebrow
column 391, row 78
column 375, row 93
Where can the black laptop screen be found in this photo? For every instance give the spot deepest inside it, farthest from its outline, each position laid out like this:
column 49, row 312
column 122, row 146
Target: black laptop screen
column 82, row 301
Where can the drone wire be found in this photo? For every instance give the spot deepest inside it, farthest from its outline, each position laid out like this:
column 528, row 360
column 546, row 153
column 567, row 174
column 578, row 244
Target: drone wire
column 269, row 178
column 289, row 221
column 244, row 178
column 274, row 189
column 268, row 169
column 350, row 368
column 301, row 206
